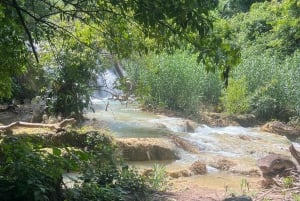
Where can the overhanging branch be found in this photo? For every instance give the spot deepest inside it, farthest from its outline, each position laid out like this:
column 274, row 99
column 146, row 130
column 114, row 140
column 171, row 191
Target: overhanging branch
column 16, row 6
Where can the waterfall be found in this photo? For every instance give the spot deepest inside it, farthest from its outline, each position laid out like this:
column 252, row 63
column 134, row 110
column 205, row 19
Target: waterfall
column 108, row 81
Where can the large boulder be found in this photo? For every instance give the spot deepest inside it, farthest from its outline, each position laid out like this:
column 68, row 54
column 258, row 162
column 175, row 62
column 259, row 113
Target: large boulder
column 145, row 149
column 275, row 164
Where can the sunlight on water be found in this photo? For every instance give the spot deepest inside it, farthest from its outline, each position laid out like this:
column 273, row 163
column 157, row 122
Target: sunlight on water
column 242, row 146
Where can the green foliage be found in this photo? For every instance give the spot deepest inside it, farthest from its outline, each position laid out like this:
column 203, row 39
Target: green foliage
column 268, row 101
column 102, row 178
column 229, row 8
column 158, row 178
column 70, row 75
column 296, row 197
column 288, row 182
column 236, row 100
column 122, row 28
column 269, row 57
column 28, row 173
column 13, row 53
column 176, row 81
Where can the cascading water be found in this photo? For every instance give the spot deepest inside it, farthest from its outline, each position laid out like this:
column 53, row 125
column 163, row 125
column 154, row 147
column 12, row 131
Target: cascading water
column 243, row 146
column 108, row 82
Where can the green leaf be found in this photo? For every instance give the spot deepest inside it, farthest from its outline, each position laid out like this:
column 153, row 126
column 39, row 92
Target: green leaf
column 56, row 151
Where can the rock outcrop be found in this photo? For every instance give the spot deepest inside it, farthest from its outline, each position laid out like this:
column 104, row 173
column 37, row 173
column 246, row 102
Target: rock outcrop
column 273, row 165
column 184, row 144
column 281, row 129
column 145, row 149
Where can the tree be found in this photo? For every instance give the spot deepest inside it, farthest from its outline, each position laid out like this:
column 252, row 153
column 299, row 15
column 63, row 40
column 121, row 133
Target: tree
column 12, row 50
column 69, row 73
column 122, row 28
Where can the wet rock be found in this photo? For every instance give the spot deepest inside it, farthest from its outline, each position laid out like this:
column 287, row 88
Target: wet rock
column 145, row 149
column 275, row 164
column 251, row 172
column 184, row 144
column 198, row 167
column 180, row 173
column 191, row 126
column 281, row 129
column 239, row 198
column 224, row 164
column 221, row 119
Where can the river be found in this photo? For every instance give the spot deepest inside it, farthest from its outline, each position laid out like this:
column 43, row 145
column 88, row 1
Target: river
column 239, row 145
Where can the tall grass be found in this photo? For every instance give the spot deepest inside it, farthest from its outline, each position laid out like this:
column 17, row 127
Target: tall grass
column 272, row 84
column 264, row 84
column 175, row 81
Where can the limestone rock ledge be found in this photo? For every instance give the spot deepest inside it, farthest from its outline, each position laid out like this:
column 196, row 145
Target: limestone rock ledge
column 146, row 149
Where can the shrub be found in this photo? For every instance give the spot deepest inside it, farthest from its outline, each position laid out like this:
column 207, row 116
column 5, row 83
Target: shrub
column 236, row 99
column 27, row 173
column 270, row 101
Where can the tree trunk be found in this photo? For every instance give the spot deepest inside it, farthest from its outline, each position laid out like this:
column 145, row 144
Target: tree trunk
column 58, row 126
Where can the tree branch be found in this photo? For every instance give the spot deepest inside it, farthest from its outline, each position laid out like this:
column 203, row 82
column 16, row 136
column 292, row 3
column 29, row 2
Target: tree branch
column 16, row 6
column 58, row 126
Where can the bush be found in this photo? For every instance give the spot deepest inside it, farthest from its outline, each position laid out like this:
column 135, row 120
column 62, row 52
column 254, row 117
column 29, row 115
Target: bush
column 29, row 172
column 272, row 84
column 236, row 99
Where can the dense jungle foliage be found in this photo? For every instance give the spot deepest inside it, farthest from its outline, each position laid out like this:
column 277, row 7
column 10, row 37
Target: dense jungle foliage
column 251, row 46
column 264, row 82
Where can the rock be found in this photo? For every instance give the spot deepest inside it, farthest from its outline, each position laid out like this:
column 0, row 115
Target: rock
column 275, row 164
column 145, row 149
column 281, row 129
column 191, row 126
column 198, row 167
column 239, row 198
column 221, row 119
column 180, row 173
column 184, row 144
column 224, row 164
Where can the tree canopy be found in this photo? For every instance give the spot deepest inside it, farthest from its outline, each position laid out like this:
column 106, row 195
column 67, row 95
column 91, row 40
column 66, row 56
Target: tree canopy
column 122, row 27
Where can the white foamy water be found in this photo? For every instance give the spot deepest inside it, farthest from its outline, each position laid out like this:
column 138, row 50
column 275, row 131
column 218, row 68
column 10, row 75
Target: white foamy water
column 241, row 145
